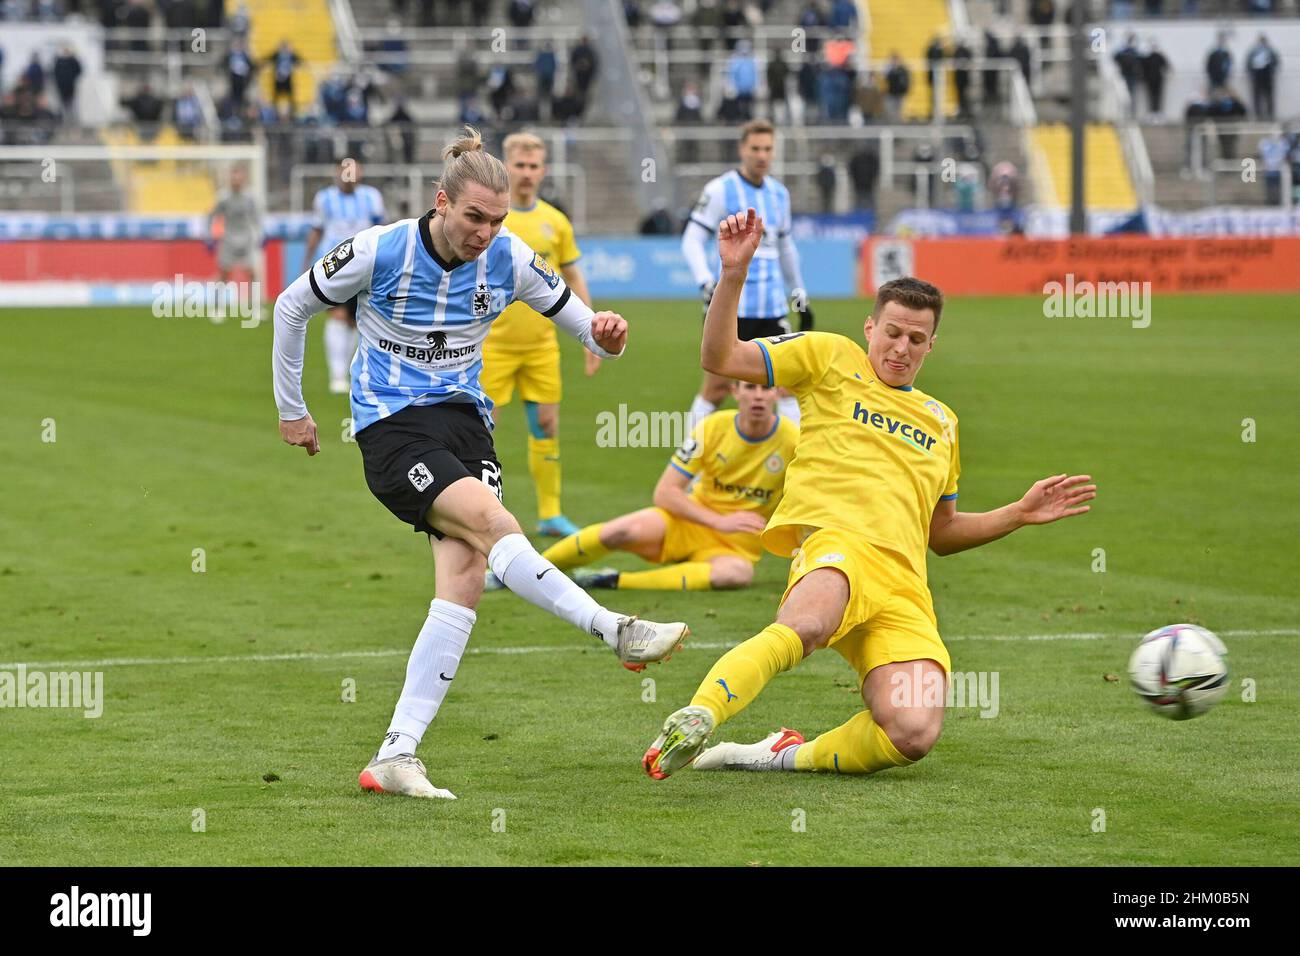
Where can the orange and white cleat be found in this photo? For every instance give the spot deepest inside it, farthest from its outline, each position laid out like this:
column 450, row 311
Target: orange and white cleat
column 764, row 755
column 404, row 775
column 684, row 735
column 644, row 642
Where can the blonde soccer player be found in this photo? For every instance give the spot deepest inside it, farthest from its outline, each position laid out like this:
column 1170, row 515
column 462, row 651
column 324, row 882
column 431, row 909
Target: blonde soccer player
column 521, row 349
column 873, row 482
column 710, row 505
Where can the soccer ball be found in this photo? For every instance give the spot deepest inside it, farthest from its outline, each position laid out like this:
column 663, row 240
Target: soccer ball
column 1180, row 670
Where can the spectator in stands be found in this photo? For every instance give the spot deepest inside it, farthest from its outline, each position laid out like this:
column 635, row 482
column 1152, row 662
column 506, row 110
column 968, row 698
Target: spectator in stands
column 843, row 16
column 469, row 75
column 707, row 21
column 544, row 68
column 137, row 17
column 1004, row 184
column 1155, row 65
column 690, row 112
column 146, row 110
column 34, row 75
column 934, row 57
column 1020, row 53
column 813, row 17
column 283, row 62
column 898, row 80
column 501, row 90
column 833, row 89
column 659, row 222
column 991, row 76
column 584, row 65
column 67, row 71
column 778, row 75
column 402, row 146
column 1041, row 14
column 1128, row 58
column 333, row 91
column 806, row 88
column 187, row 114
column 961, row 70
column 1262, row 63
column 1273, row 151
column 864, row 174
column 968, row 188
column 742, row 75
column 1218, row 63
column 521, row 14
column 471, row 115
column 569, row 105
column 393, row 47
column 868, row 99
column 733, row 21
column 240, row 67
column 632, row 14
column 239, row 23
column 826, row 178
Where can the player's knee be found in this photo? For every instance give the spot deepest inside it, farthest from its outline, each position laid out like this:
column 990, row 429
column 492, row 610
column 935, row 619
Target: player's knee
column 494, row 523
column 913, row 731
column 729, row 575
column 812, row 630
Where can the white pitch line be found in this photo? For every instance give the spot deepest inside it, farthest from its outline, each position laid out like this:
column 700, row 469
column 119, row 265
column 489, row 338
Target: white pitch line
column 558, row 649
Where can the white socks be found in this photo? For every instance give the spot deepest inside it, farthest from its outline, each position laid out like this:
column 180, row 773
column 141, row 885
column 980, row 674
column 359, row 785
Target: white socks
column 518, row 565
column 701, row 408
column 429, row 673
column 788, row 407
column 340, row 343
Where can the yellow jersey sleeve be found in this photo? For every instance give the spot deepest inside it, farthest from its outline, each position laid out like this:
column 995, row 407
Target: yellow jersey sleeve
column 566, row 247
column 954, row 470
column 689, row 457
column 798, row 360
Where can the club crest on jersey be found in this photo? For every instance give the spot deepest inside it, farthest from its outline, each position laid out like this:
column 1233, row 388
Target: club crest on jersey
column 482, row 304
column 774, row 464
column 543, row 269
column 337, row 257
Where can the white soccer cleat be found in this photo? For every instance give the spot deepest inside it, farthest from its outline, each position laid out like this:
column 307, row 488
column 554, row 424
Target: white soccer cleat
column 403, row 774
column 644, row 642
column 339, row 386
column 764, row 755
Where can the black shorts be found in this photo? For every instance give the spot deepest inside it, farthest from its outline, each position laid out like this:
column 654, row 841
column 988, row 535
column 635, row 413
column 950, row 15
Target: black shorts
column 749, row 329
column 410, row 457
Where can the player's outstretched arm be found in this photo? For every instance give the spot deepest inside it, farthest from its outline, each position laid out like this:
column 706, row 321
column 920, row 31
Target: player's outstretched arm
column 671, row 495
column 1048, row 500
column 721, row 350
column 576, row 281
column 293, row 309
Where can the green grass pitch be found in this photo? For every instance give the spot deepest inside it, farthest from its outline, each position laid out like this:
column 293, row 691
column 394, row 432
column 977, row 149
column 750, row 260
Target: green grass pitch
column 166, row 442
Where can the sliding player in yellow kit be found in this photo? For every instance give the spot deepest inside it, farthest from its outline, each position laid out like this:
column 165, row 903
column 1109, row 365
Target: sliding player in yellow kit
column 711, row 502
column 874, row 480
column 521, row 348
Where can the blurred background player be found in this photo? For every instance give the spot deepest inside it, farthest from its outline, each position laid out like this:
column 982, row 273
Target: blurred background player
column 235, row 228
column 521, row 348
column 774, row 284
column 340, row 212
column 711, row 502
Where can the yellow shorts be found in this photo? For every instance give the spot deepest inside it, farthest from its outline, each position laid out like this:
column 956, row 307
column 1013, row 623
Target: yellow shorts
column 889, row 617
column 688, row 541
column 537, row 373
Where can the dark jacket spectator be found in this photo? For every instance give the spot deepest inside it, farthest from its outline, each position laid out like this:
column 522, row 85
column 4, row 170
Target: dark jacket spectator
column 1129, row 61
column 67, row 71
column 1261, row 63
column 1154, row 67
column 992, row 79
column 961, row 69
column 1020, row 53
column 584, row 64
column 864, row 173
column 145, row 108
column 34, row 75
column 1218, row 64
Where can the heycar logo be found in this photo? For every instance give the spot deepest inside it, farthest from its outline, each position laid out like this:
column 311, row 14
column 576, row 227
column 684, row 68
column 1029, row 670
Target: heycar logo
column 905, row 430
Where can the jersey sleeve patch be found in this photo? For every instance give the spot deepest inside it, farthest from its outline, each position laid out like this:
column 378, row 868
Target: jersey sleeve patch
column 543, row 269
column 338, row 257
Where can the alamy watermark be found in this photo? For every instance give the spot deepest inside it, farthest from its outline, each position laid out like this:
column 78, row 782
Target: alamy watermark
column 919, row 687
column 1100, row 300
column 82, row 690
column 216, row 301
column 636, row 429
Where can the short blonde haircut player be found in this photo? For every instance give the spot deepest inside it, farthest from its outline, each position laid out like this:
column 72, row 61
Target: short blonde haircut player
column 465, row 162
column 524, row 141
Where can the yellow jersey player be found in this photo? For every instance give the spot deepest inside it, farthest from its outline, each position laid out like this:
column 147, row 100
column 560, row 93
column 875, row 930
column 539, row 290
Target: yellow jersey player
column 711, row 503
column 873, row 482
column 521, row 348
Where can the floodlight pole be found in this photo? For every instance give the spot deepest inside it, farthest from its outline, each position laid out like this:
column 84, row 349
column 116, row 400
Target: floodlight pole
column 1078, row 111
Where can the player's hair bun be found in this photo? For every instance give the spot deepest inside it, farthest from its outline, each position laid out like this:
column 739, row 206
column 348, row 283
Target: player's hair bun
column 471, row 142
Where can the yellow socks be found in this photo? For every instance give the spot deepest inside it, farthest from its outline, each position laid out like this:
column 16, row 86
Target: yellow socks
column 544, row 466
column 743, row 671
column 859, row 746
column 687, row 576
column 577, row 549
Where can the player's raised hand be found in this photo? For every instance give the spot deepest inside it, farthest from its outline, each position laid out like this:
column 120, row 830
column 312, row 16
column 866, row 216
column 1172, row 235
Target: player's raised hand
column 738, row 238
column 301, row 431
column 609, row 329
column 1059, row 496
column 746, row 522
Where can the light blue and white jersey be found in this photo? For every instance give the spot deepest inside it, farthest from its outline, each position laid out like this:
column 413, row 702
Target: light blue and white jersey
column 764, row 295
column 339, row 215
column 421, row 320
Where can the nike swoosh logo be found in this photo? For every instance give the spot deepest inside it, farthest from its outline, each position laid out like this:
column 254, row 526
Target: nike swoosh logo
column 544, row 573
column 444, row 676
column 394, row 298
